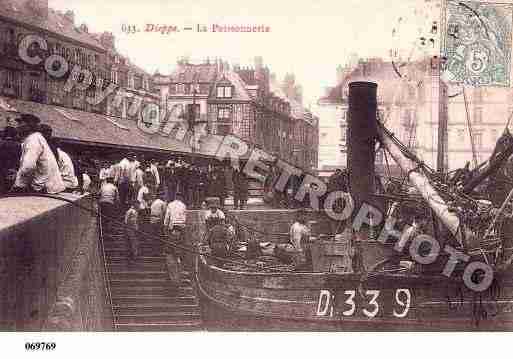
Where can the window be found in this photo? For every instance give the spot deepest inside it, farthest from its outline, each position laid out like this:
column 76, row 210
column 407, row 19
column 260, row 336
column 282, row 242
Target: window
column 11, row 83
column 478, row 140
column 408, row 118
column 7, row 39
column 461, row 136
column 478, row 95
column 195, row 110
column 411, row 92
column 180, row 88
column 56, row 92
column 114, row 76
column 91, row 92
column 343, row 134
column 35, row 91
column 478, row 115
column 224, row 91
column 131, row 80
column 224, row 125
column 494, row 135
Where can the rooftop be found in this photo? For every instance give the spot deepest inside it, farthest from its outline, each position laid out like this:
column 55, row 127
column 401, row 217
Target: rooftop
column 24, row 11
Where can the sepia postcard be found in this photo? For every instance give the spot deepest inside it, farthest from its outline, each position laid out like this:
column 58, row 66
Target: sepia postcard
column 234, row 166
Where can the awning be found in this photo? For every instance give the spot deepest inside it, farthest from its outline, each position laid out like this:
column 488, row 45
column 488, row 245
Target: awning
column 93, row 129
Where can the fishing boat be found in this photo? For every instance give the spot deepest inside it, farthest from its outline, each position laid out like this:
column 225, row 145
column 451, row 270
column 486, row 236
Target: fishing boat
column 389, row 290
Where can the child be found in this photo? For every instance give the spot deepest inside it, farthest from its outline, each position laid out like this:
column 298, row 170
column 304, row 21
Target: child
column 131, row 227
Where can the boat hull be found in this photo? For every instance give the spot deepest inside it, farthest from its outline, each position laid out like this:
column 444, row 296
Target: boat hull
column 233, row 300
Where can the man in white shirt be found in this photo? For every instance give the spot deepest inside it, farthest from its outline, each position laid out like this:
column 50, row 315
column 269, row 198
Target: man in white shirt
column 109, row 197
column 105, row 172
column 299, row 233
column 38, row 169
column 155, row 171
column 174, row 224
column 158, row 210
column 294, row 251
column 215, row 215
column 139, row 179
column 67, row 170
column 123, row 180
column 175, row 213
column 143, row 198
column 86, row 182
column 132, row 171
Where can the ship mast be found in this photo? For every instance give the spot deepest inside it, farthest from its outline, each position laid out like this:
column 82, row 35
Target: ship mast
column 439, row 111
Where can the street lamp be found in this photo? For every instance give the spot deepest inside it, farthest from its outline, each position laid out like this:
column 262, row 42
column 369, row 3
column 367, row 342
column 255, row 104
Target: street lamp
column 191, row 118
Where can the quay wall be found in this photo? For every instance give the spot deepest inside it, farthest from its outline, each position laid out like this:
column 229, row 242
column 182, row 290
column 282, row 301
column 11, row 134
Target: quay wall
column 52, row 273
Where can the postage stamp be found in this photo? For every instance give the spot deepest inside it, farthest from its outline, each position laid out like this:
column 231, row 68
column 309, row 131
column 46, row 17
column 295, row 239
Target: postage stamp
column 476, row 43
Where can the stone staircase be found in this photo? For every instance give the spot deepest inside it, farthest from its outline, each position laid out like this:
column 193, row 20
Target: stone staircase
column 142, row 296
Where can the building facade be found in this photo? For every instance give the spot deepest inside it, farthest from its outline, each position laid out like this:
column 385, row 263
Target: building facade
column 79, row 46
column 412, row 108
column 244, row 101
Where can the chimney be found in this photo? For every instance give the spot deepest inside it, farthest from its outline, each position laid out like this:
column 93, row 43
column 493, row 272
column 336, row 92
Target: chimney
column 362, row 134
column 340, row 74
column 39, row 8
column 259, row 63
column 107, row 40
column 70, row 15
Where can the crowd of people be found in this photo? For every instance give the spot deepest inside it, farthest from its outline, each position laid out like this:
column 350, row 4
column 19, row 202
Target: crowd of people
column 135, row 178
column 150, row 196
column 34, row 161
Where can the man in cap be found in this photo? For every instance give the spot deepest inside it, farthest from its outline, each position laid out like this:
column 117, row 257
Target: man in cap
column 133, row 167
column 122, row 178
column 240, row 189
column 214, row 215
column 10, row 153
column 38, row 170
column 70, row 169
column 174, row 223
column 168, row 181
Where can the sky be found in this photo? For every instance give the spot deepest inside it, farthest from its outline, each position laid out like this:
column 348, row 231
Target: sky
column 308, row 38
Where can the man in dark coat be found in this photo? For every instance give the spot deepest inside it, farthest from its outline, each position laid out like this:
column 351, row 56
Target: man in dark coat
column 10, row 153
column 218, row 185
column 240, row 189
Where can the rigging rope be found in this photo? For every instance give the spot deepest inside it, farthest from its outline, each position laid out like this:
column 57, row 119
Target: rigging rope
column 469, row 125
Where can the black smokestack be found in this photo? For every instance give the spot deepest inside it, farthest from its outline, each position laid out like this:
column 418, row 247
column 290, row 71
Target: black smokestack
column 362, row 133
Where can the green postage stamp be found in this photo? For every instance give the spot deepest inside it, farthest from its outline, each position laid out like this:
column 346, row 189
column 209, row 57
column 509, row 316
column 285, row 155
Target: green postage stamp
column 477, row 43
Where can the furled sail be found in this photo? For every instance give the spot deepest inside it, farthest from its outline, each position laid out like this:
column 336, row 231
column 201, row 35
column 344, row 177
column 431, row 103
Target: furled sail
column 421, row 183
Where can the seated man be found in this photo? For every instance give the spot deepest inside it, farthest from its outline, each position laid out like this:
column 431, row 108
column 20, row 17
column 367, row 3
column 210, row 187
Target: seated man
column 215, row 215
column 294, row 250
column 10, row 153
column 220, row 239
column 38, row 171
